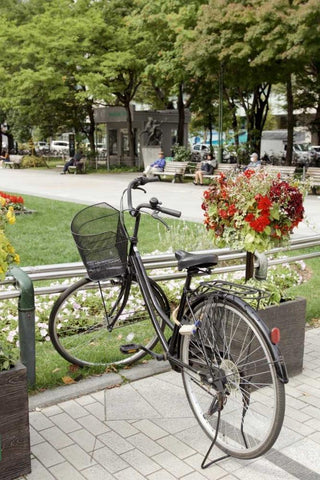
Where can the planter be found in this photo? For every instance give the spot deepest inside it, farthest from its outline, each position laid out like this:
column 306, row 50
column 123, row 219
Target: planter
column 14, row 424
column 290, row 318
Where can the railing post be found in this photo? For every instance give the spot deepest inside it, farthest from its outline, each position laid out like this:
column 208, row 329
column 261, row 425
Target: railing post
column 261, row 270
column 26, row 316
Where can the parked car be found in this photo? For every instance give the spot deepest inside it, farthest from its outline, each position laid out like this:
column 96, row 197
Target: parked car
column 301, row 154
column 42, row 146
column 59, row 146
column 315, row 155
column 199, row 151
column 100, row 147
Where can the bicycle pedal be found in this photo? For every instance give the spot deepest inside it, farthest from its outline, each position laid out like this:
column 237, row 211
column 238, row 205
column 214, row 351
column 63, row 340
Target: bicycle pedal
column 130, row 348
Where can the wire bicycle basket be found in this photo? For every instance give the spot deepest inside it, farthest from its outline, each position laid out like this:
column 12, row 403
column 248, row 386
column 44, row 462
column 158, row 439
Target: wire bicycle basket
column 101, row 241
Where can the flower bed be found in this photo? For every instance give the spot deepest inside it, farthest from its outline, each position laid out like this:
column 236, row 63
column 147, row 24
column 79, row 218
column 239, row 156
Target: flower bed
column 14, row 201
column 7, row 251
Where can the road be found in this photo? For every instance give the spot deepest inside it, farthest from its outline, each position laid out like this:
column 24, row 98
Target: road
column 94, row 188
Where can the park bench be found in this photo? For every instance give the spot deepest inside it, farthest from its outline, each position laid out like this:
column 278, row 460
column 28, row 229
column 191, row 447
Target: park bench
column 227, row 168
column 224, row 168
column 313, row 176
column 286, row 172
column 79, row 168
column 15, row 161
column 173, row 169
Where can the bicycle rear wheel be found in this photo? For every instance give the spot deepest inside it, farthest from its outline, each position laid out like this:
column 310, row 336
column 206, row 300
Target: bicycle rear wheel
column 229, row 338
column 79, row 323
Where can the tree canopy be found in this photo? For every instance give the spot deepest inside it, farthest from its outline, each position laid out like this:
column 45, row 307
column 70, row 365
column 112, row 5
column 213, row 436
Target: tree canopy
column 60, row 59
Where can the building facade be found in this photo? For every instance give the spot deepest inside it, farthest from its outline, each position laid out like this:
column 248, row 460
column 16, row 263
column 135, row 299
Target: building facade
column 151, row 127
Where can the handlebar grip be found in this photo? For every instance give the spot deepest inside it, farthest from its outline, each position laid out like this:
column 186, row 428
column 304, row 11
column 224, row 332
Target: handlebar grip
column 145, row 180
column 169, row 211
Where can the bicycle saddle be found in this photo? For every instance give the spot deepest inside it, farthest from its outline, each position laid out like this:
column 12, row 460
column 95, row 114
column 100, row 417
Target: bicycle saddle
column 189, row 260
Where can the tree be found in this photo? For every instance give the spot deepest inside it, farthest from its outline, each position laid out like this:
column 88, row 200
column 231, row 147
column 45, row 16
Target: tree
column 42, row 86
column 304, row 44
column 256, row 45
column 169, row 84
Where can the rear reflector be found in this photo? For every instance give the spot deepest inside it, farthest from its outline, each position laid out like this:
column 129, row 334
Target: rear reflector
column 275, row 336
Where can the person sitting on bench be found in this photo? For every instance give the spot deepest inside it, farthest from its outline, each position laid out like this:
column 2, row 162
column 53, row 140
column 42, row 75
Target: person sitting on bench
column 157, row 166
column 74, row 161
column 5, row 157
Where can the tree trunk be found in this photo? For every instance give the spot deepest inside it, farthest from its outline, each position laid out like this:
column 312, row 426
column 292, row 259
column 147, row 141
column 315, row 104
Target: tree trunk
column 256, row 108
column 290, row 121
column 92, row 128
column 130, row 133
column 316, row 124
column 181, row 117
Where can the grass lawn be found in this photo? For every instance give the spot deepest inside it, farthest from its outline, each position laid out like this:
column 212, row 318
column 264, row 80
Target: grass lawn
column 44, row 237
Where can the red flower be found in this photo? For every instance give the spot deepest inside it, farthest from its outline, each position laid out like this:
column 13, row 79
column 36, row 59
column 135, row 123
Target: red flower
column 260, row 223
column 249, row 218
column 248, row 173
column 223, row 213
column 232, row 210
column 263, row 202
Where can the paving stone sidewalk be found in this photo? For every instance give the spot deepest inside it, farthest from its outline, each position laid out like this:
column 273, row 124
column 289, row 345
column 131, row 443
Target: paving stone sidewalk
column 144, row 429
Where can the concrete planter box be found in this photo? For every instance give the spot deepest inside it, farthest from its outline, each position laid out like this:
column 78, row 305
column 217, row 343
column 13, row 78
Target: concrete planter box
column 290, row 317
column 14, row 424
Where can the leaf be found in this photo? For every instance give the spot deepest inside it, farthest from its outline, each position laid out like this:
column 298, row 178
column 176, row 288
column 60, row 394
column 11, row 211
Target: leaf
column 68, row 380
column 56, row 370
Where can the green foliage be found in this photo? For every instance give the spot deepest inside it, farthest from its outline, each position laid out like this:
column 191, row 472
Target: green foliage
column 56, row 67
column 32, row 161
column 8, row 356
column 181, row 154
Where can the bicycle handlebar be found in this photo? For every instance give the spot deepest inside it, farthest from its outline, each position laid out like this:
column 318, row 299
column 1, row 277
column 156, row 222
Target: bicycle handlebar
column 153, row 204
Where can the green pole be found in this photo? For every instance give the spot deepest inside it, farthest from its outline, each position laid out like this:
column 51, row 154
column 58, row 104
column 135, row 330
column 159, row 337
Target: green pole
column 26, row 317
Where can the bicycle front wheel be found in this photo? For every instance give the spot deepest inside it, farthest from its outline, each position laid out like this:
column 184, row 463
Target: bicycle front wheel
column 229, row 339
column 88, row 323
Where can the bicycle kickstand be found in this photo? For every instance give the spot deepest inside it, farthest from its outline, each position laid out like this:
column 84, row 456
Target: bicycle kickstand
column 212, row 462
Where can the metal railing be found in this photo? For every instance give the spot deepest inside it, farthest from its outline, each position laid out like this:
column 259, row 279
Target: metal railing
column 23, row 279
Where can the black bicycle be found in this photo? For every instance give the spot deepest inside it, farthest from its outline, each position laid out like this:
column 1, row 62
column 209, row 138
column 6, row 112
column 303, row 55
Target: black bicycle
column 232, row 370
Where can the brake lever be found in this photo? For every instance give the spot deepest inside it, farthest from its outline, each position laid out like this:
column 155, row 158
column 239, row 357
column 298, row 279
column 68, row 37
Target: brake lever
column 156, row 217
column 142, row 189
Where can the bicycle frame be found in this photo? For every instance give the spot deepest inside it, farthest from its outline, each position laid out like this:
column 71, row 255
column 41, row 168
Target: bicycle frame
column 135, row 263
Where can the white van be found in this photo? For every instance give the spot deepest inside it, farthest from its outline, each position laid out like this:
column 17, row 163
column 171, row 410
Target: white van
column 60, row 146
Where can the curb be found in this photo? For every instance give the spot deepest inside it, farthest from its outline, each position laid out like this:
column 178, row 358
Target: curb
column 97, row 383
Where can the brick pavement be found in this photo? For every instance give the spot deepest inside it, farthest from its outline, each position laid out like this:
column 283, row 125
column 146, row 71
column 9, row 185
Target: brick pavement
column 144, row 429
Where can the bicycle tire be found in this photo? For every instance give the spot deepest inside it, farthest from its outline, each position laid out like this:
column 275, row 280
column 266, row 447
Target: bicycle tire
column 252, row 417
column 78, row 323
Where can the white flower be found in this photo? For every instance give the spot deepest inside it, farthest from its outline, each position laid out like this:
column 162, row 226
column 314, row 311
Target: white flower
column 43, row 332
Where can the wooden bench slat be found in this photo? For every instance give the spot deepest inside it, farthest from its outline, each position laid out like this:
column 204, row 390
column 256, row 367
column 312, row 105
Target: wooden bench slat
column 313, row 175
column 15, row 161
column 173, row 169
column 284, row 170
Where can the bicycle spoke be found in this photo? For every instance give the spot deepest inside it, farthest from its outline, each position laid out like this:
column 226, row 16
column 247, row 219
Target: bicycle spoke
column 229, row 342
